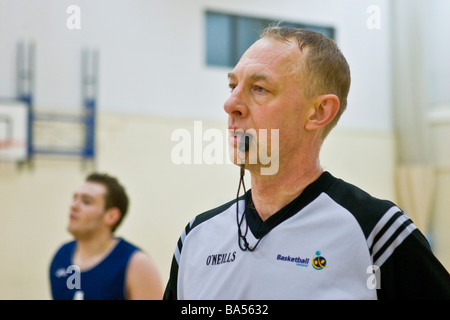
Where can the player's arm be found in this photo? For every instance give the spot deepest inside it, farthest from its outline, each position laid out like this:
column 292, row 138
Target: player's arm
column 170, row 292
column 143, row 281
column 413, row 272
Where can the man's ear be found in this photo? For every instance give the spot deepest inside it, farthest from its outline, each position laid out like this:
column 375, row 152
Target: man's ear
column 112, row 216
column 322, row 112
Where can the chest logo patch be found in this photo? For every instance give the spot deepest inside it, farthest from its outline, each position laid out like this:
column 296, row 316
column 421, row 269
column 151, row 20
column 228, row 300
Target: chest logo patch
column 319, row 262
column 299, row 261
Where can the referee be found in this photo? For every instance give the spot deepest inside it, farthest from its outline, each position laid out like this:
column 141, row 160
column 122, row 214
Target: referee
column 300, row 232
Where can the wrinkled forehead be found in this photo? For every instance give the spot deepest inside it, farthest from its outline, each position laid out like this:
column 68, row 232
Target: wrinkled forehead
column 273, row 55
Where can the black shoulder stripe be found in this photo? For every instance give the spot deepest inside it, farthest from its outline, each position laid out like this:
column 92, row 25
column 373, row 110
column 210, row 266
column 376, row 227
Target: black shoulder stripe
column 383, row 229
column 400, row 227
column 391, row 239
column 213, row 212
column 205, row 216
column 366, row 209
column 384, row 225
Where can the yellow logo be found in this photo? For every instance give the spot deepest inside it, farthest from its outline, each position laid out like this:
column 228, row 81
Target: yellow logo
column 319, row 262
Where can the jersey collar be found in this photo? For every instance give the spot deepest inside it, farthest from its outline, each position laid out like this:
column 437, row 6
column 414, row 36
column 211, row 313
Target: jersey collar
column 260, row 228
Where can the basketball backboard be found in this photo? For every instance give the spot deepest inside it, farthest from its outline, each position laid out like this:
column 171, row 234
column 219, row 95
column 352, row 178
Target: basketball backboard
column 13, row 131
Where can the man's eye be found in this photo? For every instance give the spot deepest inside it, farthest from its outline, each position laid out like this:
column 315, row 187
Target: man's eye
column 232, row 86
column 259, row 89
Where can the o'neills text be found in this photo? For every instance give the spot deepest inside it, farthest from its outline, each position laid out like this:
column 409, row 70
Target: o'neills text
column 220, row 258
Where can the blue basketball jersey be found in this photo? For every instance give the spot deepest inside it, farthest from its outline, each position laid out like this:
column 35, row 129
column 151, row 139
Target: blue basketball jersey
column 104, row 281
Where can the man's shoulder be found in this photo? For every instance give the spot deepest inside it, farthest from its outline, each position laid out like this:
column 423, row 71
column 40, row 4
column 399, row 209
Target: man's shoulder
column 367, row 209
column 211, row 213
column 62, row 253
column 68, row 245
column 201, row 219
column 352, row 196
column 125, row 244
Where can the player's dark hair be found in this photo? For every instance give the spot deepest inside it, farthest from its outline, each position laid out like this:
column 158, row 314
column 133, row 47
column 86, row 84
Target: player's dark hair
column 115, row 197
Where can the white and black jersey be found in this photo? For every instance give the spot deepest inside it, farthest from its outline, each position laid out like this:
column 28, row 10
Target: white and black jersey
column 334, row 241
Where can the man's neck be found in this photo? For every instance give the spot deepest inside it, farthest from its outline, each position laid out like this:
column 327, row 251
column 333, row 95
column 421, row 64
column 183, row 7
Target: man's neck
column 90, row 251
column 272, row 193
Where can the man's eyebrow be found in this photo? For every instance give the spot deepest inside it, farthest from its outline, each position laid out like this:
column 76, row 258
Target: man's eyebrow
column 260, row 76
column 231, row 75
column 254, row 77
column 83, row 195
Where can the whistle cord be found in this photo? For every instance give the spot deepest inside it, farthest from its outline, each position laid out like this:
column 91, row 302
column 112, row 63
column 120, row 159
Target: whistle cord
column 243, row 237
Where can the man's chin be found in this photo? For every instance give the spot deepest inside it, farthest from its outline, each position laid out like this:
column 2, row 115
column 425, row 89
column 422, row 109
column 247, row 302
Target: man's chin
column 73, row 231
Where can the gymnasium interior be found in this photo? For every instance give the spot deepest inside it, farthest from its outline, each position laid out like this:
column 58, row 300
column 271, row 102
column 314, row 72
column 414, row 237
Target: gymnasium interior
column 109, row 86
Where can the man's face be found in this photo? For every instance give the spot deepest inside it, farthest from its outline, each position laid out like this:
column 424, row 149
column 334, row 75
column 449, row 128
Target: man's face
column 266, row 93
column 87, row 210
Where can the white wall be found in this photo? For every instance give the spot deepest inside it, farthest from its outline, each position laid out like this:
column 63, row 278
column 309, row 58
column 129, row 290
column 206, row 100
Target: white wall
column 437, row 48
column 152, row 53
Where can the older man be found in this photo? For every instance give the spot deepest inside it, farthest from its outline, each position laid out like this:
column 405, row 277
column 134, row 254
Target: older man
column 299, row 233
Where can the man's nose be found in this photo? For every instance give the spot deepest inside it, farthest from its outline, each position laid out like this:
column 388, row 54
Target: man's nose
column 236, row 104
column 74, row 204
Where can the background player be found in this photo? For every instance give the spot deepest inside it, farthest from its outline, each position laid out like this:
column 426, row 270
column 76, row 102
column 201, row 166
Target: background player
column 96, row 265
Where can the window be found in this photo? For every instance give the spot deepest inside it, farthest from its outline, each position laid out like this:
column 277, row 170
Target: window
column 229, row 36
